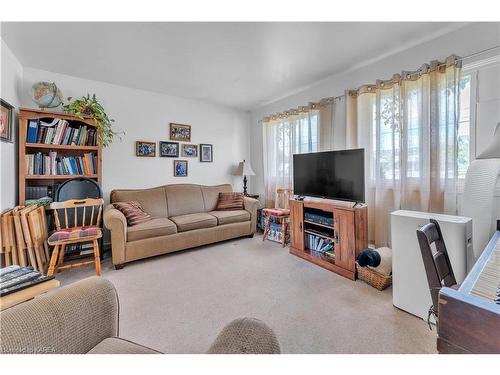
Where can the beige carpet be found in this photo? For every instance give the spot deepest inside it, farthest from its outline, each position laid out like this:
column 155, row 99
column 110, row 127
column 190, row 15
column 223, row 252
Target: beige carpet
column 177, row 303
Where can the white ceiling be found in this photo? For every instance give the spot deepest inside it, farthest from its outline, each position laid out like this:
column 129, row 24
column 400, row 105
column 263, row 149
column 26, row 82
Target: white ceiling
column 241, row 65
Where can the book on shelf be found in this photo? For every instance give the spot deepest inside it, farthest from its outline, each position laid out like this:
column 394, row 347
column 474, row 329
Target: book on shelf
column 50, row 164
column 318, row 244
column 60, row 132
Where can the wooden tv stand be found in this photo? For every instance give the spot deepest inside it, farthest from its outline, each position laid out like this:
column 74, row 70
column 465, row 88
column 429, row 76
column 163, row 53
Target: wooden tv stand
column 349, row 232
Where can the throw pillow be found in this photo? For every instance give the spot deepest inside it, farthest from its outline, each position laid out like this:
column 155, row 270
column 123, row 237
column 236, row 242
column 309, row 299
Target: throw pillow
column 133, row 212
column 230, row 201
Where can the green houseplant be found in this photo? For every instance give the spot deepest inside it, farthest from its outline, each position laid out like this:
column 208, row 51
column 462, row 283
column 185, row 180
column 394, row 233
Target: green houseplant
column 90, row 106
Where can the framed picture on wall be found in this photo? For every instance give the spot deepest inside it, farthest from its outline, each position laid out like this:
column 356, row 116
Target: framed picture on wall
column 180, row 168
column 6, row 121
column 206, row 153
column 189, row 151
column 169, row 149
column 145, row 149
column 180, row 132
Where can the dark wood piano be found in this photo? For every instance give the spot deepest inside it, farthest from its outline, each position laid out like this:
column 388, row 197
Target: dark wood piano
column 469, row 318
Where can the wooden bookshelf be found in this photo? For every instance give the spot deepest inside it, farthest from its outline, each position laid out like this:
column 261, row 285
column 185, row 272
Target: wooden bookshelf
column 26, row 180
column 349, row 233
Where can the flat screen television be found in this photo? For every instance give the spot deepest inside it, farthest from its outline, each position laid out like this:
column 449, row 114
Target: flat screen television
column 331, row 174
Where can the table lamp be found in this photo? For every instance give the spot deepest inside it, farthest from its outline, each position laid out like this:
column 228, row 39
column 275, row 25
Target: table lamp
column 244, row 169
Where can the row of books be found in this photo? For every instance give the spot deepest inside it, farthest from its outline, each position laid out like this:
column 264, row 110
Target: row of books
column 51, row 164
column 60, row 132
column 324, row 219
column 320, row 244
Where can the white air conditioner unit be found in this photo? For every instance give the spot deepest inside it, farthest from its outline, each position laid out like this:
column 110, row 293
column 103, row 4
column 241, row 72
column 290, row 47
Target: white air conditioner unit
column 410, row 290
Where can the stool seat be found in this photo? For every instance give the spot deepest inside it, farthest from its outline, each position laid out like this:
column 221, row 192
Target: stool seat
column 278, row 212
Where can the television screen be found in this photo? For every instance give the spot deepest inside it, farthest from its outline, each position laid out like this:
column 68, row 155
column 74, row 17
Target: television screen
column 331, row 174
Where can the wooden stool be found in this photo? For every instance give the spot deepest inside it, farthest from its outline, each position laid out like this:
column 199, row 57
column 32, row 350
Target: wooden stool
column 74, row 233
column 278, row 215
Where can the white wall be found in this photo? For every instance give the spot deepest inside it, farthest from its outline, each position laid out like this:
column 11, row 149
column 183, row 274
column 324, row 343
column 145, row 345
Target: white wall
column 11, row 75
column 464, row 41
column 145, row 116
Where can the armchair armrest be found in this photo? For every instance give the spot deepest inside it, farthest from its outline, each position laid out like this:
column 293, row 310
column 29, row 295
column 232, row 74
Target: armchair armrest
column 116, row 222
column 251, row 206
column 69, row 320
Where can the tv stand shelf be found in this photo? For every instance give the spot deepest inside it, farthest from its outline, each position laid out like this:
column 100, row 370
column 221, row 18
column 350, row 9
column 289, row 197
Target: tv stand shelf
column 349, row 233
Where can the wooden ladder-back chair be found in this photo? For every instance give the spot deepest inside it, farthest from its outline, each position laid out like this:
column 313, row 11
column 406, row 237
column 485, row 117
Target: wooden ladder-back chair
column 38, row 230
column 280, row 214
column 8, row 238
column 83, row 226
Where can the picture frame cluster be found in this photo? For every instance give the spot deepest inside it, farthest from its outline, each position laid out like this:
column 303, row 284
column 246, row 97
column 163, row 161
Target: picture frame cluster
column 174, row 149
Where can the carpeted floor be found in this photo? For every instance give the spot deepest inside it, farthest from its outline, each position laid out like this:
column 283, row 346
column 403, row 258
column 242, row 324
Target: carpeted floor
column 177, row 303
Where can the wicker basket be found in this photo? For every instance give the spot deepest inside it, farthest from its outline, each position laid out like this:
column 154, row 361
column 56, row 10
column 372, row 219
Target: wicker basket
column 373, row 278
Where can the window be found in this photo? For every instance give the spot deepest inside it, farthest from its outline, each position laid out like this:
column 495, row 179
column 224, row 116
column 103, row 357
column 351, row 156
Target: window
column 282, row 138
column 464, row 126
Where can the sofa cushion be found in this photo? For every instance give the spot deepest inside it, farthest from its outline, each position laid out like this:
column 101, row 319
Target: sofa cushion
column 230, row 201
column 153, row 201
column 133, row 212
column 184, row 199
column 154, row 228
column 211, row 195
column 234, row 216
column 117, row 345
column 194, row 221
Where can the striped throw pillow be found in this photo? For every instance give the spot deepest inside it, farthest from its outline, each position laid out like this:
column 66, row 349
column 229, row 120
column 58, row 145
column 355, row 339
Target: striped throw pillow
column 133, row 212
column 230, row 201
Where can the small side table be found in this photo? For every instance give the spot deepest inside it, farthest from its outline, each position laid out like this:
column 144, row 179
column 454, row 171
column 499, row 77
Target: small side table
column 22, row 295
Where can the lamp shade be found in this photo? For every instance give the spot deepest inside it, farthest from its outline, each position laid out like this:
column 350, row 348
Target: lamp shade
column 244, row 169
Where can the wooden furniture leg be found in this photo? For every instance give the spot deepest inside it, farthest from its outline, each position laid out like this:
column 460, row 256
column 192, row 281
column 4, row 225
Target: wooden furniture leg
column 60, row 258
column 31, row 255
column 39, row 261
column 53, row 260
column 97, row 258
column 283, row 227
column 266, row 229
column 46, row 250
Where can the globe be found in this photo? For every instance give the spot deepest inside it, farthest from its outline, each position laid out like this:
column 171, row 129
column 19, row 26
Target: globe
column 46, row 95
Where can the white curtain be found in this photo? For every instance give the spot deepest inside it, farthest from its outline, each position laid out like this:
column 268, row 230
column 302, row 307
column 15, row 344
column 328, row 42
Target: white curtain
column 408, row 127
column 284, row 136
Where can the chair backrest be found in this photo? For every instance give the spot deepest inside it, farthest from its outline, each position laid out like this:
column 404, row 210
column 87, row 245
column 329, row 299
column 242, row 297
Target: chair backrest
column 437, row 263
column 78, row 188
column 85, row 212
column 282, row 198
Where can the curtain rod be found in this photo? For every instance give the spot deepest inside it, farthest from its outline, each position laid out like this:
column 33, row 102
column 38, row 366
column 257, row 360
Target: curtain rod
column 330, row 100
column 478, row 53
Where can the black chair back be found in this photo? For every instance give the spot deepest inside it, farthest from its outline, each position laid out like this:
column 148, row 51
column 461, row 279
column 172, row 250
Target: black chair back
column 437, row 263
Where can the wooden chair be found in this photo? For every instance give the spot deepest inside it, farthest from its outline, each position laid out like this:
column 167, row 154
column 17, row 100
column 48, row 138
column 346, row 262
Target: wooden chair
column 280, row 214
column 437, row 263
column 36, row 220
column 8, row 238
column 75, row 231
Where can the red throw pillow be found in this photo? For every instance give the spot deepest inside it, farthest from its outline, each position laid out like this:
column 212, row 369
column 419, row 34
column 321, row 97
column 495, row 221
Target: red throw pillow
column 230, row 201
column 133, row 212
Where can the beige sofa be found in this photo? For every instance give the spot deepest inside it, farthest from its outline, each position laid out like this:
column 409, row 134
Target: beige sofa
column 83, row 317
column 184, row 216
